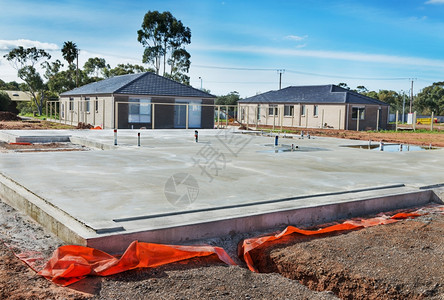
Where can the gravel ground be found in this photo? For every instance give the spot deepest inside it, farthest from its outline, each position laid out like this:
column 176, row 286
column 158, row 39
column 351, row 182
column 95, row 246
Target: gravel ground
column 195, row 279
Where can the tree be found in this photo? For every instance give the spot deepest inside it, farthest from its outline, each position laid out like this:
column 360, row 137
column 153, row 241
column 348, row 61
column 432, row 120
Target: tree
column 163, row 37
column 343, row 85
column 4, row 101
column 70, row 52
column 94, row 66
column 392, row 98
column 229, row 99
column 24, row 61
column 180, row 64
column 431, row 98
column 123, row 69
column 361, row 89
column 10, row 86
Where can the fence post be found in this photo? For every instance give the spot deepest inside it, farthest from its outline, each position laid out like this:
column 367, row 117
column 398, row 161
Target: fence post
column 431, row 122
column 154, row 116
column 377, row 120
column 186, row 115
column 218, row 116
column 414, row 121
column 103, row 113
column 226, row 117
column 396, row 120
column 340, row 113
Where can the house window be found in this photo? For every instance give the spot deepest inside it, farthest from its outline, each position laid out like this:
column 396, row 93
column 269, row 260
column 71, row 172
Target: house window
column 358, row 111
column 272, row 110
column 288, row 110
column 258, row 117
column 96, row 105
column 315, row 111
column 302, row 110
column 87, row 104
column 139, row 110
column 71, row 103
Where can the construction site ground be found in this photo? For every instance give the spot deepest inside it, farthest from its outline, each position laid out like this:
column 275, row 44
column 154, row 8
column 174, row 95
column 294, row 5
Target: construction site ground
column 396, row 261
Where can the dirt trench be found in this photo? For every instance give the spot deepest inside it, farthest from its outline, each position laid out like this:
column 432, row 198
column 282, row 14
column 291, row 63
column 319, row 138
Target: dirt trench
column 396, row 261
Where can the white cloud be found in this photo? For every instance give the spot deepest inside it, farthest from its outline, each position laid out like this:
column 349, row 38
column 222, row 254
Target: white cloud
column 295, row 37
column 434, row 2
column 11, row 44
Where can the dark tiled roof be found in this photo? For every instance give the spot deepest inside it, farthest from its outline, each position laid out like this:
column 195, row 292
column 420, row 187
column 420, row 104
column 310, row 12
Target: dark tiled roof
column 139, row 84
column 105, row 86
column 312, row 94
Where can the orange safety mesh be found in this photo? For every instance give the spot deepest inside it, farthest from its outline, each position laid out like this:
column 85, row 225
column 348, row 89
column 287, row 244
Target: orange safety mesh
column 21, row 143
column 71, row 263
column 96, row 128
column 252, row 243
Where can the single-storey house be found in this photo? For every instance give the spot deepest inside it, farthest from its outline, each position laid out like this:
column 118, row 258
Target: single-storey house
column 318, row 106
column 19, row 96
column 143, row 100
column 16, row 97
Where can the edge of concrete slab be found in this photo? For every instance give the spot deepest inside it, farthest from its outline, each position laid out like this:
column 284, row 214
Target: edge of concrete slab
column 301, row 216
column 90, row 143
column 49, row 216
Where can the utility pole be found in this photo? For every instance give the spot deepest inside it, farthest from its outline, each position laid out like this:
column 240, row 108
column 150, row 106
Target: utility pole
column 280, row 71
column 200, row 83
column 403, row 105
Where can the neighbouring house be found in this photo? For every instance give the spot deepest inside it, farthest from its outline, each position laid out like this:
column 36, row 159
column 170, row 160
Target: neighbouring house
column 16, row 97
column 318, row 106
column 19, row 96
column 143, row 100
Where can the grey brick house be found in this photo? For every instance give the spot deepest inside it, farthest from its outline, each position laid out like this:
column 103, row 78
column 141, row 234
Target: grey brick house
column 318, row 106
column 138, row 100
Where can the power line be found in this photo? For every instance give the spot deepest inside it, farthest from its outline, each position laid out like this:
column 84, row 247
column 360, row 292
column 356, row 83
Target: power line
column 299, row 72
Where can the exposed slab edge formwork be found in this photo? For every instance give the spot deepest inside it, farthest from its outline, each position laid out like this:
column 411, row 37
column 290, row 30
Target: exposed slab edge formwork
column 195, row 227
column 46, row 214
column 261, row 221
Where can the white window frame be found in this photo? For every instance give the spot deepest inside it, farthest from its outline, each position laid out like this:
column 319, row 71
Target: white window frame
column 361, row 110
column 137, row 106
column 87, row 104
column 288, row 110
column 273, row 108
column 315, row 110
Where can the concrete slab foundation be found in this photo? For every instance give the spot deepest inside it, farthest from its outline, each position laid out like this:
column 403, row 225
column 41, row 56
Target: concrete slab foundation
column 172, row 189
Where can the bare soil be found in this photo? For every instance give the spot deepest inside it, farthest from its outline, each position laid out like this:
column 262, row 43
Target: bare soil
column 195, row 279
column 435, row 139
column 40, row 147
column 32, row 124
column 8, row 116
column 404, row 260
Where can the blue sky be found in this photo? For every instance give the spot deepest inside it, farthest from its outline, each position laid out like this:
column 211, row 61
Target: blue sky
column 238, row 45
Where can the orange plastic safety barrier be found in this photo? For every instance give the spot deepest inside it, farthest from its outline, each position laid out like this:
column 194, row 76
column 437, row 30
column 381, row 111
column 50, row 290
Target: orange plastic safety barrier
column 21, row 143
column 250, row 244
column 70, row 264
column 96, row 128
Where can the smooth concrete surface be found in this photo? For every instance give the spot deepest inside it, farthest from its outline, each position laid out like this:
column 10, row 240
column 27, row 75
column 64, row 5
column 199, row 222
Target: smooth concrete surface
column 240, row 183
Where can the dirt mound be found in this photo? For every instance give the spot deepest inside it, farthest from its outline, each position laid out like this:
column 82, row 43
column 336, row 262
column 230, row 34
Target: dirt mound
column 396, row 261
column 82, row 125
column 9, row 116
